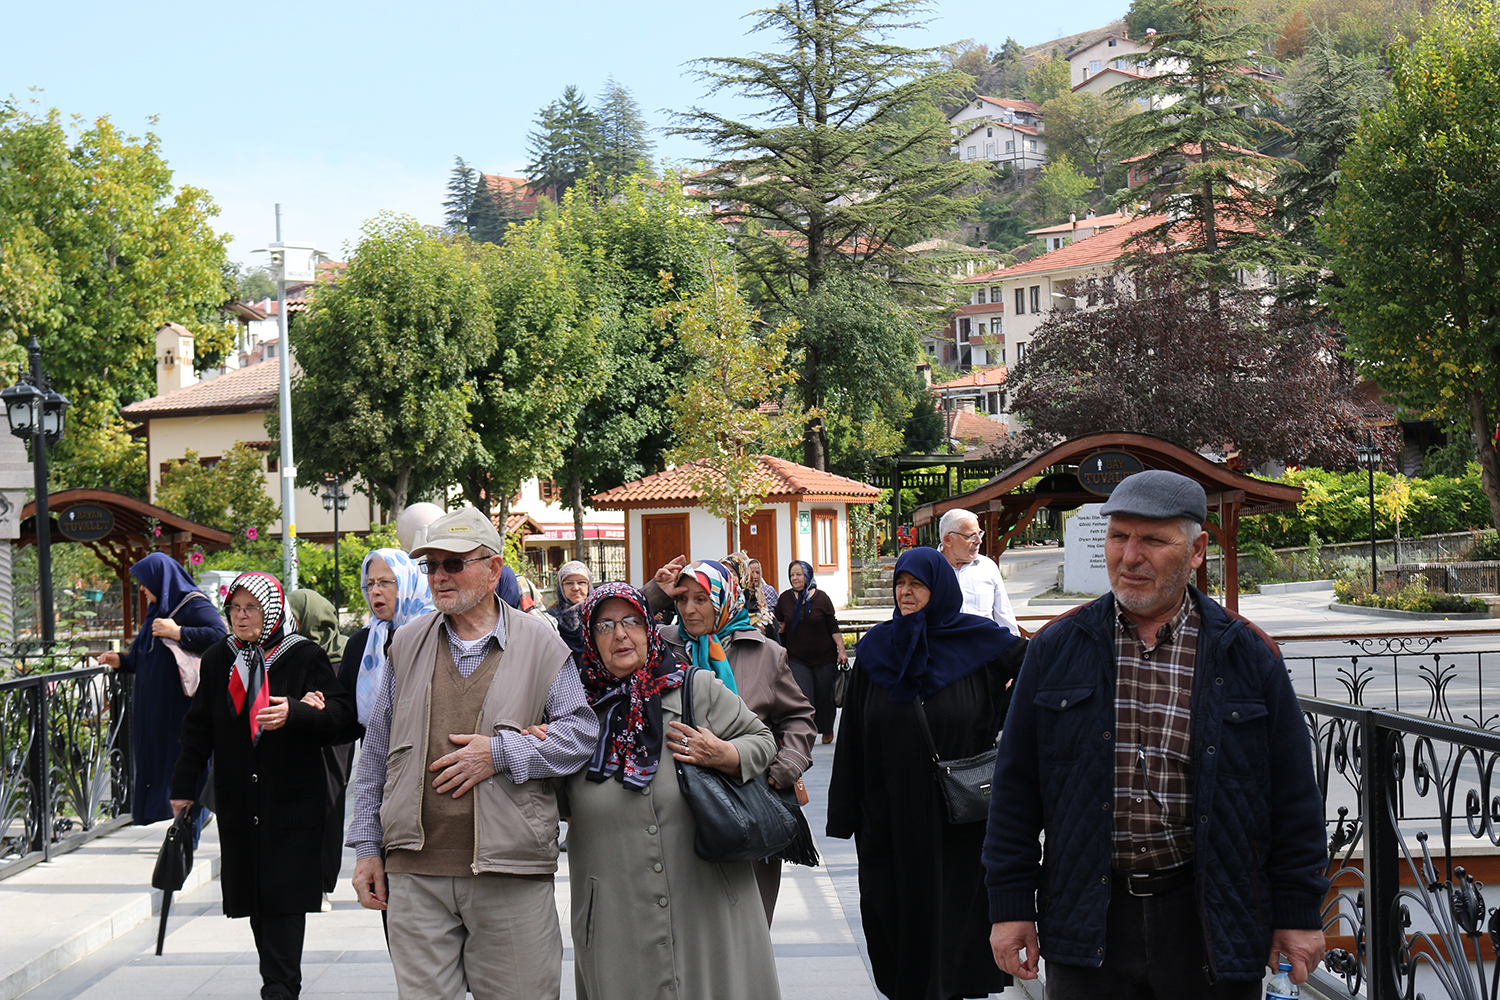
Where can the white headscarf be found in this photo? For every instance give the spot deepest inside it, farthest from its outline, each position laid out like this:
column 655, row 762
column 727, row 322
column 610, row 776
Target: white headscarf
column 413, row 598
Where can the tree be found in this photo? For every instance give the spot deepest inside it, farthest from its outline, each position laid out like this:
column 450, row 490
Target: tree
column 252, row 284
column 846, row 159
column 494, row 211
column 1009, row 71
column 566, row 140
column 386, row 356
column 230, row 496
column 463, row 186
column 1080, row 126
column 1419, row 302
column 1196, row 141
column 98, row 249
column 1157, row 357
column 1050, row 78
column 624, row 138
column 1060, row 189
column 1165, row 16
column 723, row 420
column 545, row 365
column 619, row 240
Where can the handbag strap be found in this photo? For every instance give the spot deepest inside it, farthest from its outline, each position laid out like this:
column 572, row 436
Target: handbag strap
column 926, row 732
column 183, row 603
column 687, row 696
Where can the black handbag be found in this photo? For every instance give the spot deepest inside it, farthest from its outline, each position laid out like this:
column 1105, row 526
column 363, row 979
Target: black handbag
column 965, row 782
column 174, row 862
column 736, row 822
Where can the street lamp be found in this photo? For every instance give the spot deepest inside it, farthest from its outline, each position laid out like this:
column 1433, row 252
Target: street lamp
column 335, row 499
column 1369, row 455
column 35, row 410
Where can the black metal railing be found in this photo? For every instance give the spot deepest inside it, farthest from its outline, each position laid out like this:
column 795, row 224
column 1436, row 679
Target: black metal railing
column 65, row 762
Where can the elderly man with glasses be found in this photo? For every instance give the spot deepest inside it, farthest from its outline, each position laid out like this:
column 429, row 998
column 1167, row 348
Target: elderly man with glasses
column 463, row 813
column 978, row 576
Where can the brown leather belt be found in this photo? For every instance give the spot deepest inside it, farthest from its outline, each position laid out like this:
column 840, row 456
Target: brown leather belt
column 1156, row 881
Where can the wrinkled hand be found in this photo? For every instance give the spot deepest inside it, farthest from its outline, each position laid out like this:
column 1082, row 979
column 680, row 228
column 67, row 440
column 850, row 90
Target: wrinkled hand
column 178, row 805
column 1008, row 940
column 666, row 577
column 314, row 699
column 273, row 716
column 1304, row 949
column 167, row 628
column 700, row 746
column 369, row 882
column 110, row 660
column 465, row 767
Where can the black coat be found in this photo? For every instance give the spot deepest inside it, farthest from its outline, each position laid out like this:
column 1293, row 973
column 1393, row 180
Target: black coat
column 921, row 884
column 273, row 795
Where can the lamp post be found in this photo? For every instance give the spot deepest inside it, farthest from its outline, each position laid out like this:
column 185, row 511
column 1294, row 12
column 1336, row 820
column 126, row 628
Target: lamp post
column 1369, row 455
column 335, row 499
column 35, row 411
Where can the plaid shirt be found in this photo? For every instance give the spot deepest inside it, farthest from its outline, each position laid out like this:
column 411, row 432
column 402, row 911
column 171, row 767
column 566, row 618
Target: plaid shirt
column 1153, row 791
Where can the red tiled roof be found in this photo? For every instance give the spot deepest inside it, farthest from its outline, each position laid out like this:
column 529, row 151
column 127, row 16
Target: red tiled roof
column 515, row 187
column 1101, row 248
column 975, row 379
column 972, row 429
column 1097, row 222
column 242, row 390
column 1009, row 126
column 1025, row 107
column 791, row 482
column 516, row 520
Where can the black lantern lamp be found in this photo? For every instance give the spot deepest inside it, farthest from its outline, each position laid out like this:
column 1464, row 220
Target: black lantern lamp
column 335, row 499
column 35, row 412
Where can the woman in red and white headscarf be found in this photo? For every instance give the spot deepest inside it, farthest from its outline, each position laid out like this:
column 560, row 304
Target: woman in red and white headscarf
column 272, row 799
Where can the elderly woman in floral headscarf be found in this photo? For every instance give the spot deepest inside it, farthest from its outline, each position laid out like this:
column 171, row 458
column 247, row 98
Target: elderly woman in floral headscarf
column 268, row 772
column 649, row 915
column 714, row 633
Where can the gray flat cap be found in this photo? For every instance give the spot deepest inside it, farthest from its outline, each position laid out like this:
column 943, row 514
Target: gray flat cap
column 1158, row 495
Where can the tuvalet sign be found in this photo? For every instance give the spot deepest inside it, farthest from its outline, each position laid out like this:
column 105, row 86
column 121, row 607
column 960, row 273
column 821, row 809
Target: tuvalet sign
column 1102, row 471
column 86, row 522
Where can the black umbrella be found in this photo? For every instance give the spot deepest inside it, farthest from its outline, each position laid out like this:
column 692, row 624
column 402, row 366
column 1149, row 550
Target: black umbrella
column 173, row 863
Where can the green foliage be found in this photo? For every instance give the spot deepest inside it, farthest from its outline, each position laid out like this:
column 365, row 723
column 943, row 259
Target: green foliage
column 314, row 561
column 1419, row 302
column 1080, row 127
column 463, row 185
column 1414, row 596
column 624, row 138
column 1061, row 189
column 231, row 496
column 252, row 284
column 1049, row 79
column 98, row 250
column 386, row 357
column 1336, row 507
column 566, row 140
column 1484, row 547
column 1163, row 15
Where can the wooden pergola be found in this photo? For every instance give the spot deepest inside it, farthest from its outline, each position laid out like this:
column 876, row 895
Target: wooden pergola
column 1004, row 508
column 121, row 531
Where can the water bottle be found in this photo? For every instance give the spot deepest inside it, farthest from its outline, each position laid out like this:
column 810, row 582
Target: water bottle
column 1280, row 986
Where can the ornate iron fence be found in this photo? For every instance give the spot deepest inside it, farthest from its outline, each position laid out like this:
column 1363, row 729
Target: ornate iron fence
column 65, row 762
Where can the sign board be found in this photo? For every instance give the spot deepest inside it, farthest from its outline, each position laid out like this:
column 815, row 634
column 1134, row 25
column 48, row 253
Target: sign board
column 804, row 522
column 1084, row 571
column 86, row 522
column 1102, row 471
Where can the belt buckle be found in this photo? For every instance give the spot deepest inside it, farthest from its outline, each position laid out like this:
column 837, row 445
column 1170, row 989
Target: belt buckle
column 1142, row 878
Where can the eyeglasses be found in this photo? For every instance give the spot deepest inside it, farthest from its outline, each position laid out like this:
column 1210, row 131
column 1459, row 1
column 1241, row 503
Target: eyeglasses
column 379, row 584
column 605, row 627
column 977, row 536
column 453, row 565
column 245, row 610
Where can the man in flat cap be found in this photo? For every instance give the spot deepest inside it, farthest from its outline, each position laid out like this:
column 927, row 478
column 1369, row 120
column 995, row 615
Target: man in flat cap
column 1156, row 741
column 463, row 812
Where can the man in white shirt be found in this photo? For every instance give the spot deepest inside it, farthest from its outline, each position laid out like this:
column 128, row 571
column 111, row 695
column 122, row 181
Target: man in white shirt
column 978, row 576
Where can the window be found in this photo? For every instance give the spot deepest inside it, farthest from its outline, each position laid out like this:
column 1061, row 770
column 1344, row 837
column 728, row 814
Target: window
column 1057, row 242
column 979, row 297
column 995, row 294
column 1111, row 43
column 989, row 151
column 1020, row 302
column 825, row 540
column 989, row 133
column 1031, row 145
column 1010, row 145
column 963, row 326
column 1020, row 353
column 1000, row 360
column 1096, row 65
column 992, row 402
column 1036, row 298
column 971, row 152
column 1119, row 64
column 549, row 492
column 995, row 327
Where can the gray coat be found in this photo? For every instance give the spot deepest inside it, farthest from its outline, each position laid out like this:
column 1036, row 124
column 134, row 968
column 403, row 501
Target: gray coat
column 651, row 918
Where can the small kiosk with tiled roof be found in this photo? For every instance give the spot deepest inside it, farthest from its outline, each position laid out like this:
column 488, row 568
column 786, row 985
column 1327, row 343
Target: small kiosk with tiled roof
column 805, row 516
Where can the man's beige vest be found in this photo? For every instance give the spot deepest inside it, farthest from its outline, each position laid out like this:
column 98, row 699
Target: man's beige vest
column 515, row 826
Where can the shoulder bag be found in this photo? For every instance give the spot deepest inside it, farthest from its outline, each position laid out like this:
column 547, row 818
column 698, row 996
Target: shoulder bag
column 735, row 821
column 188, row 664
column 965, row 783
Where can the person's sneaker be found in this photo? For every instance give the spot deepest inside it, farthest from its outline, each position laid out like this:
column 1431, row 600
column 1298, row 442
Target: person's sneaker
column 327, row 904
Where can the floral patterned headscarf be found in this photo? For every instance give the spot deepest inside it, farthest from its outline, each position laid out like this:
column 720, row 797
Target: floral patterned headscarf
column 629, row 708
column 707, row 650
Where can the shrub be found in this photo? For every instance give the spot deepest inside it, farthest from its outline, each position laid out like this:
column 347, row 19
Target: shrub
column 1414, row 596
column 1485, row 545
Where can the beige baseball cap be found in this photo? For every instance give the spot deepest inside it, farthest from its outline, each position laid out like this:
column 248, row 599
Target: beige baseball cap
column 461, row 530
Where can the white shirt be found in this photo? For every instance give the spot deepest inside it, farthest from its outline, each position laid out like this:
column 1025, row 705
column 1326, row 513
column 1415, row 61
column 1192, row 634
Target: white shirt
column 984, row 593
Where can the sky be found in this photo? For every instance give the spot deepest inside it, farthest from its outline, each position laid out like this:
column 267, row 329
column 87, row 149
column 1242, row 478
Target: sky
column 341, row 110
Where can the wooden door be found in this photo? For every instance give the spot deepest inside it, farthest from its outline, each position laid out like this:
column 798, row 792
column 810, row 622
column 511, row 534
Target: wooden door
column 664, row 537
column 758, row 540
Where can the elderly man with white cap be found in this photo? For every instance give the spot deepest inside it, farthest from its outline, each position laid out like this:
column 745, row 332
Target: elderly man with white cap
column 1155, row 740
column 464, row 814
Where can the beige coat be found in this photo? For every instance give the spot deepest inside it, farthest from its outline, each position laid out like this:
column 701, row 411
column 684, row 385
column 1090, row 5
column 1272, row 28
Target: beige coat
column 650, row 918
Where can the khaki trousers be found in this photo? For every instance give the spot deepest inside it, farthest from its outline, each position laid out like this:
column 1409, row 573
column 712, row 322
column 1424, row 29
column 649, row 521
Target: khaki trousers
column 497, row 937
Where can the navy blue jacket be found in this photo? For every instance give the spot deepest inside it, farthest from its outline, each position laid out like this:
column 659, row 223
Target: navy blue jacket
column 1258, row 833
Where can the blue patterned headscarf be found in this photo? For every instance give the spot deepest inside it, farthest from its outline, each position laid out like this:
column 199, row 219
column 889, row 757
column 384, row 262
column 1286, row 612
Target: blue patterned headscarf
column 804, row 598
column 413, row 598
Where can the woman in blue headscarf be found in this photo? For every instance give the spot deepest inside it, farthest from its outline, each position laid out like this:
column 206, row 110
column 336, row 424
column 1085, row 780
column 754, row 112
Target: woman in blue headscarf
column 921, row 884
column 181, row 614
column 814, row 645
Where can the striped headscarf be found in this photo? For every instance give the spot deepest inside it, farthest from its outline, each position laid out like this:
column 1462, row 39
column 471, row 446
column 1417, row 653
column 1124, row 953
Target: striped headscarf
column 629, row 708
column 707, row 650
column 413, row 598
column 253, row 658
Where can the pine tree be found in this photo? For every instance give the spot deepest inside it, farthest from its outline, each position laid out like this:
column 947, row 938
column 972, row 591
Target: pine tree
column 624, row 138
column 494, row 211
column 564, row 143
column 459, row 204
